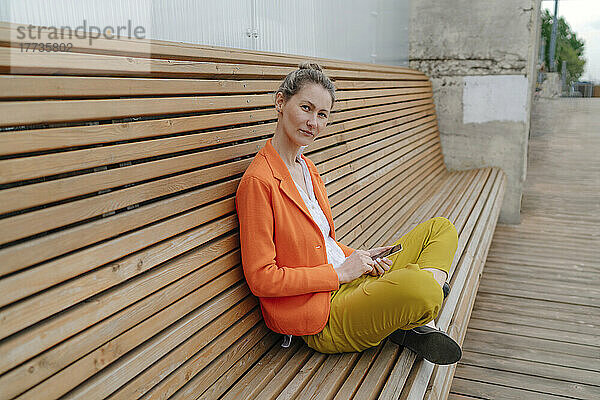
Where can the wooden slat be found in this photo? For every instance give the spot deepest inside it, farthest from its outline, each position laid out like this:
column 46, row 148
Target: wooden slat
column 23, row 313
column 100, row 337
column 530, row 349
column 533, row 383
column 15, row 61
column 153, row 211
column 239, row 370
column 557, row 371
column 443, row 374
column 327, row 381
column 147, row 294
column 102, row 367
column 219, row 366
column 285, row 374
column 34, row 86
column 51, row 164
column 53, row 111
column 375, row 378
column 485, row 390
column 472, row 257
column 253, row 381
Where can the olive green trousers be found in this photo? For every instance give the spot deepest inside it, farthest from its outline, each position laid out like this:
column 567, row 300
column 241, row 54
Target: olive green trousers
column 368, row 309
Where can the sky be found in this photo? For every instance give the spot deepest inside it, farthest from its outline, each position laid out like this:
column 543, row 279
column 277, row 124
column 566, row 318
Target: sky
column 583, row 16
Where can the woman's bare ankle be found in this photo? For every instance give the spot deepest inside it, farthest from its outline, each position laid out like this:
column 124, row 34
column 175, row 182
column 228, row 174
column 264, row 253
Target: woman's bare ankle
column 439, row 275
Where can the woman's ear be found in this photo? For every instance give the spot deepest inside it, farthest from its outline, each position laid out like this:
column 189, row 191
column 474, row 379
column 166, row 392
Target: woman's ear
column 279, row 100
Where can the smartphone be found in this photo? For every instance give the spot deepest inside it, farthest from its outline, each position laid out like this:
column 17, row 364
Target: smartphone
column 389, row 252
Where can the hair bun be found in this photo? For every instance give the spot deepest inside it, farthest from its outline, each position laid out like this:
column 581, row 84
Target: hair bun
column 310, row 65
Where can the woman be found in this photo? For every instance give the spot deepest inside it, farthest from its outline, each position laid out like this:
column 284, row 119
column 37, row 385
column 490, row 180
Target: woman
column 337, row 299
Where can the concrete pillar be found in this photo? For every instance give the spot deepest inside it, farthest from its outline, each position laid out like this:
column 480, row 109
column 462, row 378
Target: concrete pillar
column 482, row 58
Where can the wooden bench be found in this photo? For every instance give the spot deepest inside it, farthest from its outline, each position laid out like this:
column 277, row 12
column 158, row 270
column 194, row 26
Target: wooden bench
column 120, row 273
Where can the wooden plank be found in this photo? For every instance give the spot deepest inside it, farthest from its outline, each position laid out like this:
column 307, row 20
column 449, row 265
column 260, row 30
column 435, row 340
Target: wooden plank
column 560, row 275
column 318, row 387
column 584, row 333
column 14, row 288
column 14, row 61
column 39, row 139
column 470, row 256
column 589, row 341
column 16, row 169
column 52, row 111
column 565, row 312
column 336, row 377
column 33, row 86
column 375, row 378
column 196, row 364
column 106, row 363
column 14, row 251
column 442, row 379
column 235, row 354
column 533, row 383
column 403, row 368
column 113, row 313
column 360, row 236
column 359, row 372
column 71, row 212
column 241, row 369
column 521, row 290
column 461, row 397
column 529, row 349
column 555, row 225
column 25, row 313
column 285, row 375
column 300, row 379
column 398, row 377
column 449, row 190
column 526, row 367
column 255, row 380
column 404, row 182
column 483, row 390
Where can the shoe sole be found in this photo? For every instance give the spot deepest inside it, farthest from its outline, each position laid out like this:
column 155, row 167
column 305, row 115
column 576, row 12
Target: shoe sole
column 434, row 346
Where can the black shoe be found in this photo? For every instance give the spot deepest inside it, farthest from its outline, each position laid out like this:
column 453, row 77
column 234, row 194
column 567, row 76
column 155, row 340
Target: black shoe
column 432, row 344
column 446, row 289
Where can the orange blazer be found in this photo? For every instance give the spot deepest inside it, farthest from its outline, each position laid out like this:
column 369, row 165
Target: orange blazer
column 283, row 251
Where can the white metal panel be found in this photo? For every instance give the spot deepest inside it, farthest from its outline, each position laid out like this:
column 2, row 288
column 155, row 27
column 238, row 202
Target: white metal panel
column 355, row 30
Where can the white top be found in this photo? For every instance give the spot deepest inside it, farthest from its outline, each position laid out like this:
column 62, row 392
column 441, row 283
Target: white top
column 335, row 254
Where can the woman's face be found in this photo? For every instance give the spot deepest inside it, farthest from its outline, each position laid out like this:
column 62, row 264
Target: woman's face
column 305, row 114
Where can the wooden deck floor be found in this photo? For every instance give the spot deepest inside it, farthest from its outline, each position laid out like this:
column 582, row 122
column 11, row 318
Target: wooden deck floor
column 535, row 328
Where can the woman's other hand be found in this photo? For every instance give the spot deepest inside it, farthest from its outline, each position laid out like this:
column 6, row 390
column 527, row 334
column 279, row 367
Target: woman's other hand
column 382, row 264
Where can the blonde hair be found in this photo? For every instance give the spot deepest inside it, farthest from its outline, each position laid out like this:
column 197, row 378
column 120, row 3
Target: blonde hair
column 307, row 72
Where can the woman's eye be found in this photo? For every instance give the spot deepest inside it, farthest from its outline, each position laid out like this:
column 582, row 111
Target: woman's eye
column 323, row 115
column 307, row 107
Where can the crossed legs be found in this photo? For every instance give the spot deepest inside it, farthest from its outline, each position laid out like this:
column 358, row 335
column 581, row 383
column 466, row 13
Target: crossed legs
column 368, row 309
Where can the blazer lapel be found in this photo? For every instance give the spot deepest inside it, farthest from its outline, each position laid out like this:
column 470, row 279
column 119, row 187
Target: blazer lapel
column 322, row 199
column 286, row 183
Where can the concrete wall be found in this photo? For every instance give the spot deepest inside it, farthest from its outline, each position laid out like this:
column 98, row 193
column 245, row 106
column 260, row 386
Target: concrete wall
column 481, row 56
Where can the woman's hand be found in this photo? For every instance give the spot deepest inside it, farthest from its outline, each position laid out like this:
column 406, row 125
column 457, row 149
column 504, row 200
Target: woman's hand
column 383, row 264
column 355, row 265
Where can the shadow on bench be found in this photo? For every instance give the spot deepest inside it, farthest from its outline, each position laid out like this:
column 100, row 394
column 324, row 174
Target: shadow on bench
column 121, row 272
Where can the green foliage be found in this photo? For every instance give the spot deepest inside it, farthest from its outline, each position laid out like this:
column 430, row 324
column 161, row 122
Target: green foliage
column 568, row 47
